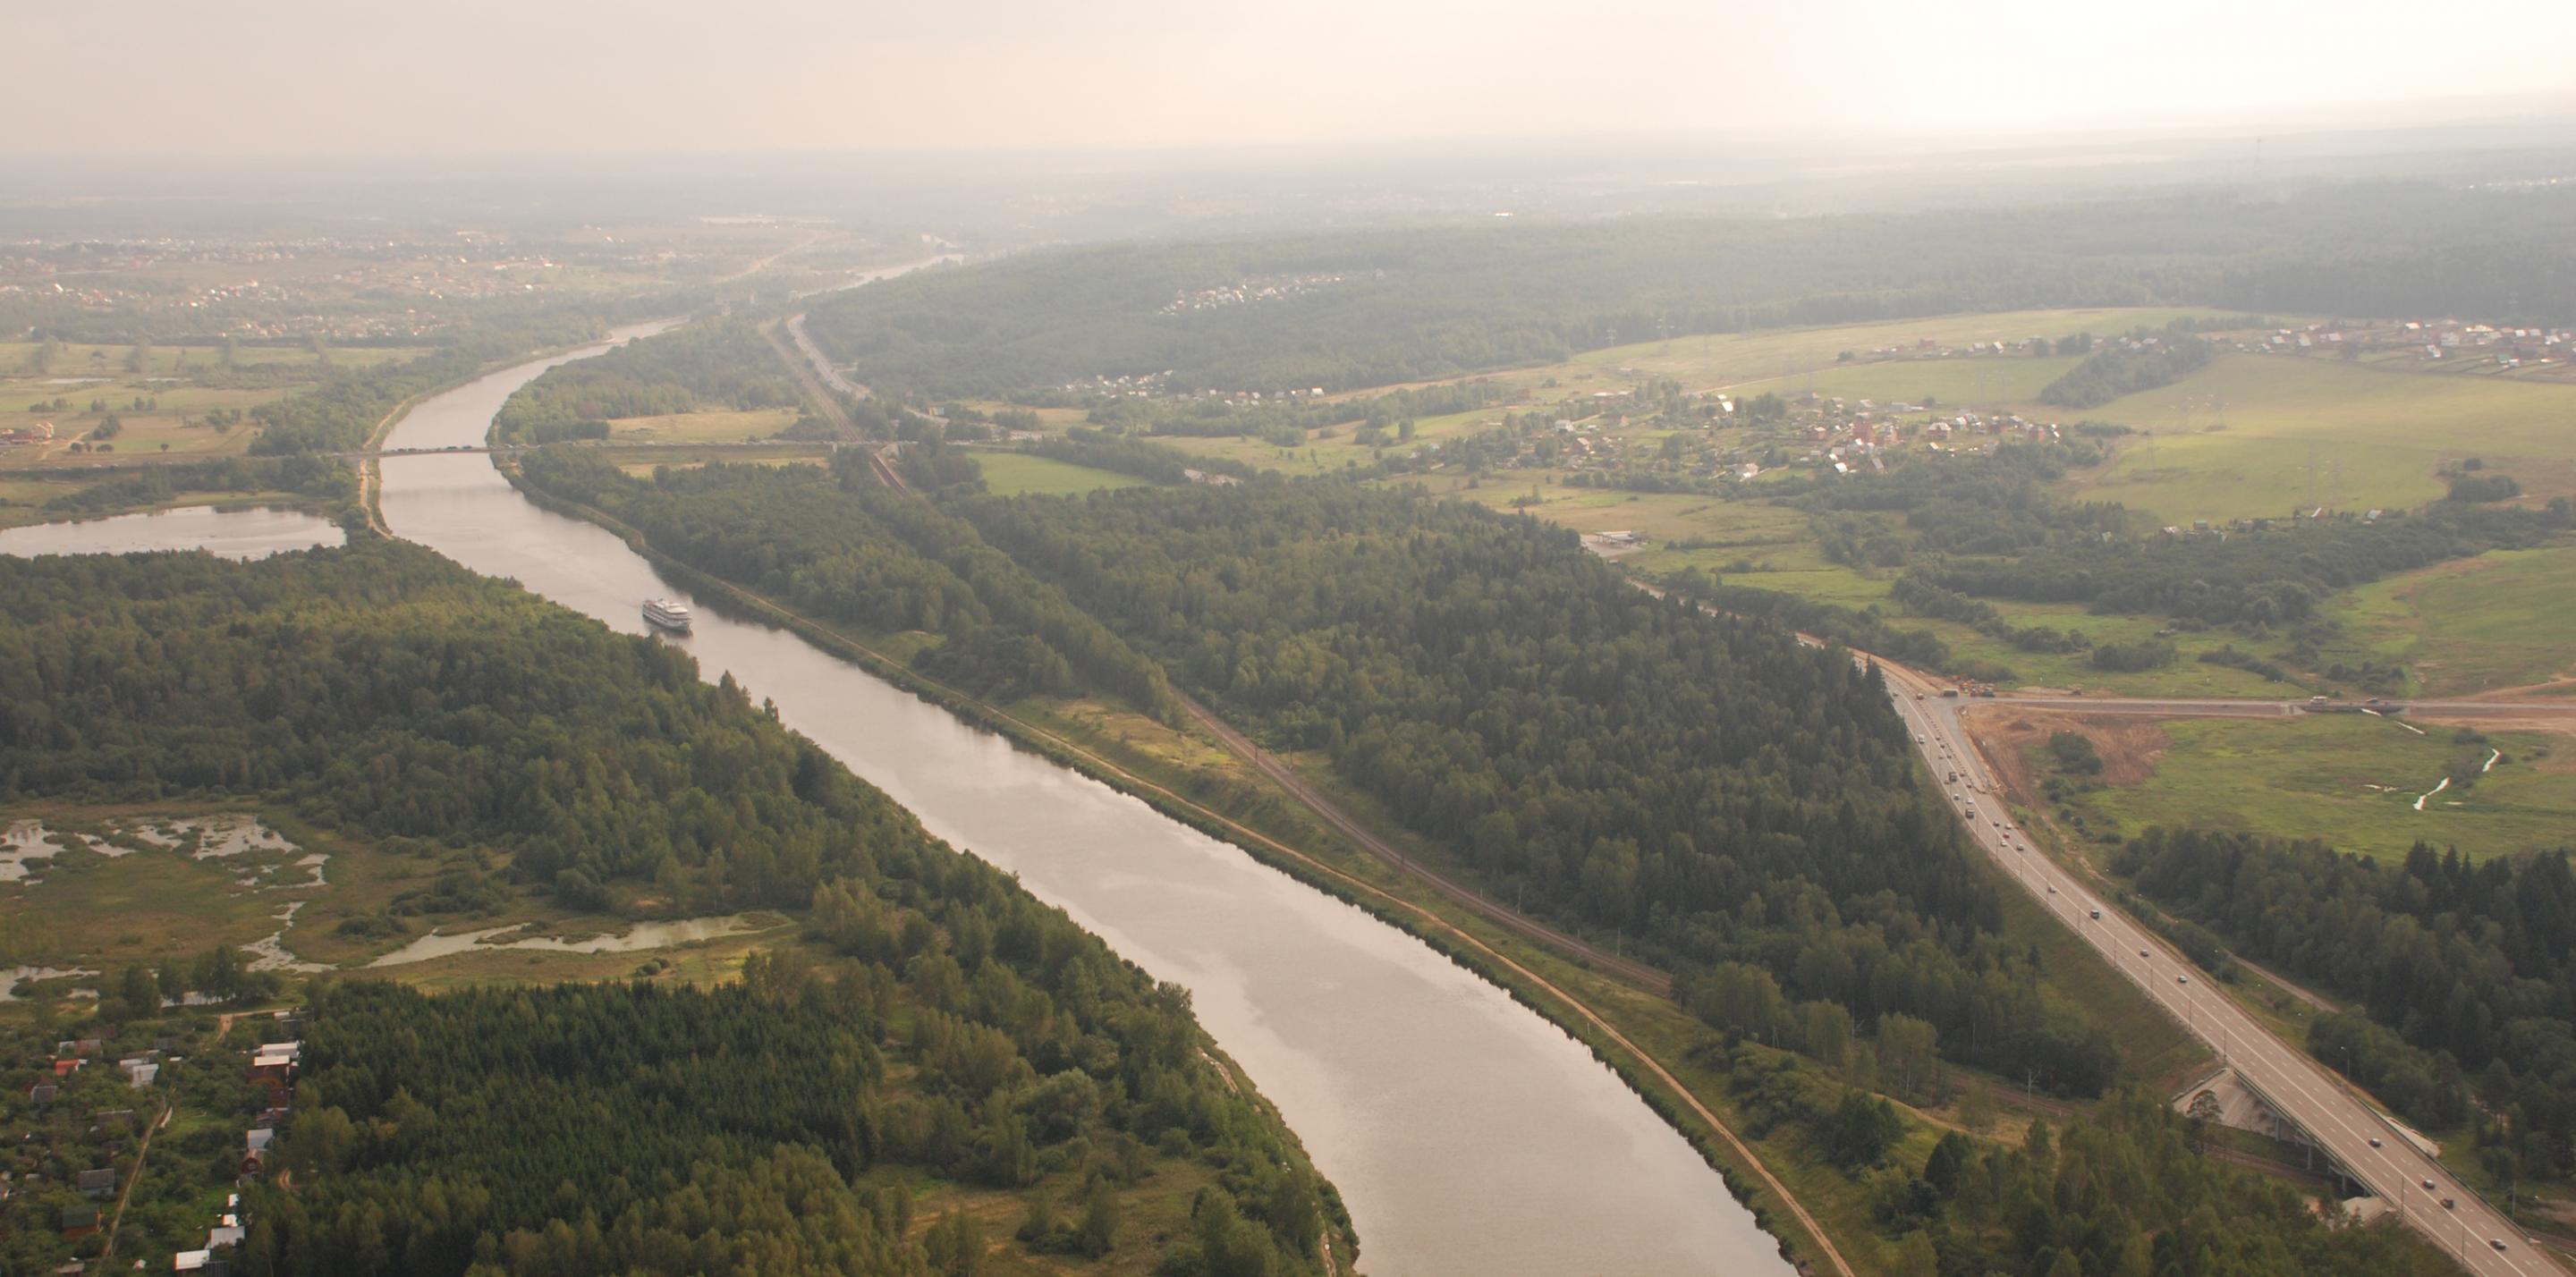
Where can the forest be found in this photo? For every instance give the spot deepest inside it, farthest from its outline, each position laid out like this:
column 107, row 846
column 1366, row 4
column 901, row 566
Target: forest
column 1699, row 785
column 789, row 1123
column 1412, row 304
column 713, row 364
column 2270, row 575
column 968, row 1034
column 2464, row 973
column 842, row 548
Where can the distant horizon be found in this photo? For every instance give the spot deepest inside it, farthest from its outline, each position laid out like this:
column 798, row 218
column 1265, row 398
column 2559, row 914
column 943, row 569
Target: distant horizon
column 480, row 79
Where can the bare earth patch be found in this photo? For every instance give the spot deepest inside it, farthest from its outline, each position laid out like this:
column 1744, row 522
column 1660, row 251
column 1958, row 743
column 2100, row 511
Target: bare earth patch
column 2130, row 747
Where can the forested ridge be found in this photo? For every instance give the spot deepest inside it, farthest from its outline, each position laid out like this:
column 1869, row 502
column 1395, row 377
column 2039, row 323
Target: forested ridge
column 957, row 1030
column 2464, row 973
column 1421, row 303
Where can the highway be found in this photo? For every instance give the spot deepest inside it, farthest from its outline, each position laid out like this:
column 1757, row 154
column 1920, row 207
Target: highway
column 2356, row 1136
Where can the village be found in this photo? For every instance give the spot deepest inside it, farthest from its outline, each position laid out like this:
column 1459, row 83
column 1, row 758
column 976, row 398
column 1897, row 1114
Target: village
column 132, row 1149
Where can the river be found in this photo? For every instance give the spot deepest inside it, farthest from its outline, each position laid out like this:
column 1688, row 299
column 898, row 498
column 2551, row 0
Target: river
column 1469, row 1137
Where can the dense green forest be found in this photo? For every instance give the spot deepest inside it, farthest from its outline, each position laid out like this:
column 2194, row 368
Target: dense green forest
column 1389, row 306
column 716, row 363
column 1700, row 785
column 788, row 1123
column 841, row 547
column 2465, row 974
column 379, row 689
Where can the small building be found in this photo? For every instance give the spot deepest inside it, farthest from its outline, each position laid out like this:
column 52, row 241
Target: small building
column 42, row 1094
column 79, row 1221
column 99, row 1182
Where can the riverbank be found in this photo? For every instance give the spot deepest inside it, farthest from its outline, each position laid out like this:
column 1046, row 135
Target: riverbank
column 1645, row 1039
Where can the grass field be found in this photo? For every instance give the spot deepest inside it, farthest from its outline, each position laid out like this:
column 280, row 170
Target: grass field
column 1014, row 474
column 1318, row 456
column 2312, row 776
column 150, row 431
column 2301, row 432
column 702, row 427
column 2506, row 618
column 1989, row 380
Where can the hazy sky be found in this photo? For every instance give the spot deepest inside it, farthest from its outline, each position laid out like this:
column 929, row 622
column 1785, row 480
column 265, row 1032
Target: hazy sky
column 334, row 77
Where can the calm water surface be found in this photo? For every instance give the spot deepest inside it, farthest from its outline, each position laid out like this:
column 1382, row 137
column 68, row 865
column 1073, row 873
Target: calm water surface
column 1469, row 1137
column 252, row 533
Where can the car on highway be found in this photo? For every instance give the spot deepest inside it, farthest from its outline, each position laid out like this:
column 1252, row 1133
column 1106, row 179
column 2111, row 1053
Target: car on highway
column 2184, row 979
column 2097, row 915
column 2052, row 888
column 2143, row 953
column 2428, row 1186
column 2374, row 1141
column 2496, row 1242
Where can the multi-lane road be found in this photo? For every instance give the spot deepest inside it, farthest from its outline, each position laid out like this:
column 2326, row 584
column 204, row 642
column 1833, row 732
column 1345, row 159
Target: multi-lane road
column 2356, row 1136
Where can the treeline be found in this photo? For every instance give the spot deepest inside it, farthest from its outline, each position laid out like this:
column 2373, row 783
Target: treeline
column 2271, row 575
column 346, row 407
column 2464, row 973
column 841, row 547
column 2126, row 366
column 1701, row 785
column 714, row 363
column 1437, row 302
column 2001, row 504
column 313, row 477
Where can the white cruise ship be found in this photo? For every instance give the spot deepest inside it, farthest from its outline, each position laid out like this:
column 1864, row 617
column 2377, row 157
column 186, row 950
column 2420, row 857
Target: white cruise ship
column 670, row 614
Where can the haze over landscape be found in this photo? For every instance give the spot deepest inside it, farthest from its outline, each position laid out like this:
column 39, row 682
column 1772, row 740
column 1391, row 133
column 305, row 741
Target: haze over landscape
column 307, row 78
column 1288, row 640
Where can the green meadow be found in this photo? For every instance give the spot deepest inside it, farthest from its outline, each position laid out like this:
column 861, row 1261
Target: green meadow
column 2352, row 780
column 2504, row 619
column 1014, row 474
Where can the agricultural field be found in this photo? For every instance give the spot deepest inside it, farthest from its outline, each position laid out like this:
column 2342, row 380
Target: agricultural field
column 1013, row 474
column 2254, row 436
column 2350, row 779
column 182, row 402
column 2504, row 619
